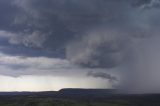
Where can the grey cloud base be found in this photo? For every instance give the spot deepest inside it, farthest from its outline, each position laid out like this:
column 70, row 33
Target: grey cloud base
column 103, row 34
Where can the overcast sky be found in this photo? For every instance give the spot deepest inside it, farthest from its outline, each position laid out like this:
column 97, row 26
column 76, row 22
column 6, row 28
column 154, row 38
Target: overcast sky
column 53, row 44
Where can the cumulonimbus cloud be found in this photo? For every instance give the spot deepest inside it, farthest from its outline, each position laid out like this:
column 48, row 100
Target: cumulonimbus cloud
column 103, row 75
column 87, row 33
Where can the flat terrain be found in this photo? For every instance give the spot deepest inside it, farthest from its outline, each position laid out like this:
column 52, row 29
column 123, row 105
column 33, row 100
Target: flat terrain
column 116, row 100
column 49, row 101
column 78, row 97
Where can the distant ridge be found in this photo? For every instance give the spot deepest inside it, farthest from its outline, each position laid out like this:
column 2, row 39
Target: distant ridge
column 45, row 93
column 76, row 92
column 87, row 92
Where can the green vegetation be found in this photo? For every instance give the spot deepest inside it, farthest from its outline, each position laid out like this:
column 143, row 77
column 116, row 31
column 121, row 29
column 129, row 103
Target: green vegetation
column 49, row 101
column 110, row 100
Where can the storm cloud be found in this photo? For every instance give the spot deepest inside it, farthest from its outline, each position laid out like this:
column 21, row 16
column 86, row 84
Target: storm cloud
column 79, row 35
column 103, row 75
column 51, row 25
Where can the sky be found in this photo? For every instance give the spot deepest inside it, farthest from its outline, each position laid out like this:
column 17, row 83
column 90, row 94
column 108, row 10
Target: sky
column 53, row 44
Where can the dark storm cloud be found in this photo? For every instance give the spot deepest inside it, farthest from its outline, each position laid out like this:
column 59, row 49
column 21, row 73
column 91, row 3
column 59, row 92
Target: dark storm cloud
column 103, row 75
column 151, row 4
column 101, row 49
column 7, row 14
column 51, row 25
column 94, row 34
column 101, row 29
column 138, row 3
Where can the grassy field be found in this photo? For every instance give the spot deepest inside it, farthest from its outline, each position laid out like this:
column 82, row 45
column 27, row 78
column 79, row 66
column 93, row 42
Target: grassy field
column 49, row 101
column 122, row 100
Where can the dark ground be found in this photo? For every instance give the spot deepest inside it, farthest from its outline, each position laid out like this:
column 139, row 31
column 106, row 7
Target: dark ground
column 77, row 98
